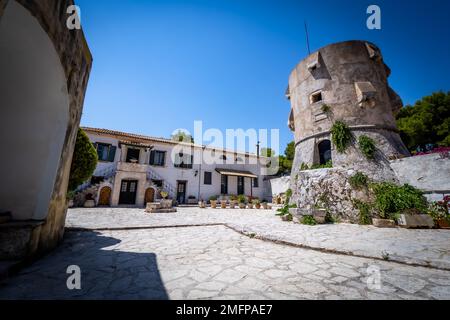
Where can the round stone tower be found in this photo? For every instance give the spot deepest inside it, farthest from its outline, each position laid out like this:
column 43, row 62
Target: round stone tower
column 345, row 82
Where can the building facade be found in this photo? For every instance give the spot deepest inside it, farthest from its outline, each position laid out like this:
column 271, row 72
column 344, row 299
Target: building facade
column 134, row 169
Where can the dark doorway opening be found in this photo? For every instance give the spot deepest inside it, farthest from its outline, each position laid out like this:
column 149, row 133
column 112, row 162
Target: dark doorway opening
column 325, row 151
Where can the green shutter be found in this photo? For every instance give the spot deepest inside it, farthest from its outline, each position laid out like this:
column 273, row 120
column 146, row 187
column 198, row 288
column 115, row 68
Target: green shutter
column 152, row 157
column 112, row 153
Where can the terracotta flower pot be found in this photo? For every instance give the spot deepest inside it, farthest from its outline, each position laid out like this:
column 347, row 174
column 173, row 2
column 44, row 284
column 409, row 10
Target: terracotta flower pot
column 202, row 204
column 264, row 206
column 213, row 204
column 223, row 204
column 443, row 224
column 241, row 205
column 258, row 206
column 250, row 205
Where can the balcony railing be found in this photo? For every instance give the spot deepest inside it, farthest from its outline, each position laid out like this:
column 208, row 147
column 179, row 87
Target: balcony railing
column 132, row 167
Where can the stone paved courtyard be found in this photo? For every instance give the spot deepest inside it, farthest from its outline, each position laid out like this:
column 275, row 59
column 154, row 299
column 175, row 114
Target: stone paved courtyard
column 421, row 247
column 209, row 262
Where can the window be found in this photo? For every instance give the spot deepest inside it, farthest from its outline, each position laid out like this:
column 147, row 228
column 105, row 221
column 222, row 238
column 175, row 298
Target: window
column 224, row 184
column 158, row 183
column 223, row 157
column 105, row 152
column 316, row 97
column 207, row 178
column 157, row 158
column 184, row 161
column 238, row 159
column 133, row 155
column 324, row 151
column 255, row 183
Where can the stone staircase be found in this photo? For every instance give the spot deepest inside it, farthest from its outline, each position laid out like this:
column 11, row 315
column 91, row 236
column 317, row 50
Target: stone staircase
column 152, row 175
column 108, row 175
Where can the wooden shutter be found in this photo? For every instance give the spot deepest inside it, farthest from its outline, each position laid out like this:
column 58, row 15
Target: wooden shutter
column 163, row 159
column 112, row 153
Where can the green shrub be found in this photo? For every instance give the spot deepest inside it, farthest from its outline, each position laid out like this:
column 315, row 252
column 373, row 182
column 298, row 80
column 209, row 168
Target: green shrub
column 308, row 220
column 241, row 198
column 288, row 194
column 358, row 181
column 341, row 136
column 84, row 161
column 304, row 166
column 326, row 108
column 285, row 209
column 329, row 164
column 364, row 211
column 367, row 146
column 439, row 211
column 392, row 199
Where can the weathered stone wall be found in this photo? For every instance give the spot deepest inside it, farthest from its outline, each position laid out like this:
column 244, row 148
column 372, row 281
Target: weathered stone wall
column 76, row 61
column 327, row 189
column 430, row 173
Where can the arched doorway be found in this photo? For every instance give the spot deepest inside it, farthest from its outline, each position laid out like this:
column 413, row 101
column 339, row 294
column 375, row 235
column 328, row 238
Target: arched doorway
column 104, row 199
column 149, row 195
column 324, row 151
column 34, row 114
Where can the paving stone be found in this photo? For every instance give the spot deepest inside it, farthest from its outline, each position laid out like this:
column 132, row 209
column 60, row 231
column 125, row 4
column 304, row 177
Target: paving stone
column 202, row 263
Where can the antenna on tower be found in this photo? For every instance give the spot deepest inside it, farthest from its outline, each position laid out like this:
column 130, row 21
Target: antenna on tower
column 307, row 38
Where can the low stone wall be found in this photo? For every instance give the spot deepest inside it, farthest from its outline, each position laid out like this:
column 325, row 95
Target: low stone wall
column 327, row 189
column 429, row 173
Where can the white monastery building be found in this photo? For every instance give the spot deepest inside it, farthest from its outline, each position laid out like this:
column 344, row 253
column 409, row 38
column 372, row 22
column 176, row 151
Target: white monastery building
column 133, row 170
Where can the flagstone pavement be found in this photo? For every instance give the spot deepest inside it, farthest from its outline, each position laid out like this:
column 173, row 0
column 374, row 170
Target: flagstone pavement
column 214, row 261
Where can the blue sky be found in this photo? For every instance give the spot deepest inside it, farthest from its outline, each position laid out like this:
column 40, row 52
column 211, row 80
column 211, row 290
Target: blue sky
column 161, row 65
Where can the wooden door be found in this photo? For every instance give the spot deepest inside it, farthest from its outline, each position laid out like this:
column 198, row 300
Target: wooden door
column 149, row 195
column 105, row 196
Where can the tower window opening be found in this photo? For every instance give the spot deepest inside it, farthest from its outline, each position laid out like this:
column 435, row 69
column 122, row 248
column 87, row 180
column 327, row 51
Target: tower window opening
column 316, row 97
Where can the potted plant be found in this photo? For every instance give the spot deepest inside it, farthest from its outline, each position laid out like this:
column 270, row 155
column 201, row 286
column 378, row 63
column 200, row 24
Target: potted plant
column 89, row 203
column 257, row 203
column 440, row 214
column 213, row 202
column 202, row 204
column 223, row 204
column 166, row 203
column 250, row 204
column 233, row 202
column 264, row 205
column 241, row 200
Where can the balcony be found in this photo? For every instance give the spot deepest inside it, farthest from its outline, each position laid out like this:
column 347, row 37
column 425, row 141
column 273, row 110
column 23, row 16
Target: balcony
column 132, row 167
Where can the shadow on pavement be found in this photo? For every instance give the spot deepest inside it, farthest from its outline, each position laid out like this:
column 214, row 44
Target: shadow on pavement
column 106, row 272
